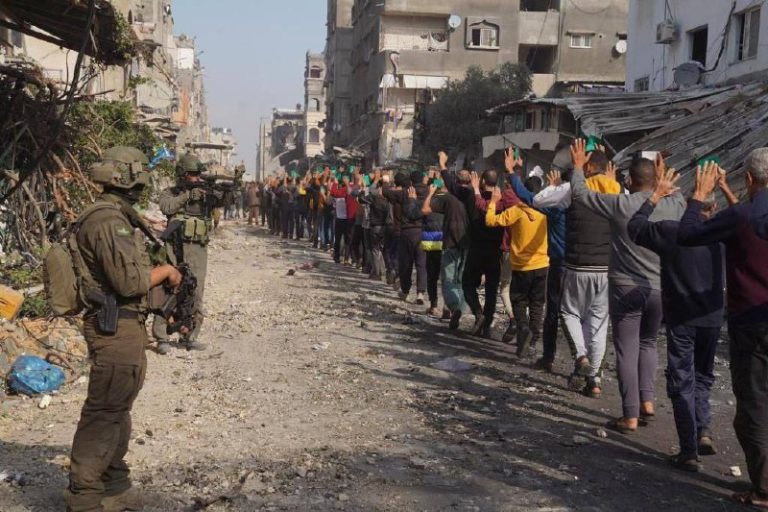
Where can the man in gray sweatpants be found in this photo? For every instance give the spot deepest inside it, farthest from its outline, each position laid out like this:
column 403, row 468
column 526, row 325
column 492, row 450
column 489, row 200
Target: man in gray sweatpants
column 634, row 282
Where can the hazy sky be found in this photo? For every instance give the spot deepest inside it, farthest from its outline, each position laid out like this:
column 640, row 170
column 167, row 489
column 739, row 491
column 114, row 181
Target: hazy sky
column 254, row 56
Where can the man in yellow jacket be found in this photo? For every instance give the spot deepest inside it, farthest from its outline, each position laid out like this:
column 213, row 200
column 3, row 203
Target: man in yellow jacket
column 530, row 263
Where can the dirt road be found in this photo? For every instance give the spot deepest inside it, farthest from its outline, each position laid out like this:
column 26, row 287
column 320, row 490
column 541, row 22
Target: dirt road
column 319, row 392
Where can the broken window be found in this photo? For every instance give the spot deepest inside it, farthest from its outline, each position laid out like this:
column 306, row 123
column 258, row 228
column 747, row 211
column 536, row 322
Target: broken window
column 538, row 59
column 400, row 33
column 314, row 136
column 581, row 40
column 699, row 40
column 749, row 33
column 483, row 35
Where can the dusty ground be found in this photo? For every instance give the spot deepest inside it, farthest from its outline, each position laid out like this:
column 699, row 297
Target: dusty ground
column 318, row 393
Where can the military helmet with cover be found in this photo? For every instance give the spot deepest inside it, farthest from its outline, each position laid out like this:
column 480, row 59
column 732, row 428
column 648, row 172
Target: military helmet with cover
column 188, row 164
column 121, row 167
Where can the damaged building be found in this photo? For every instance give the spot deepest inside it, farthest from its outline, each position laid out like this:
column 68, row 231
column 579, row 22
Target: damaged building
column 406, row 51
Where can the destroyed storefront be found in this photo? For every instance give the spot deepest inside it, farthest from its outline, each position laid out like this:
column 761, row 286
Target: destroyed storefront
column 728, row 122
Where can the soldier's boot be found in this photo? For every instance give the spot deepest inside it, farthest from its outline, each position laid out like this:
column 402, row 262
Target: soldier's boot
column 129, row 500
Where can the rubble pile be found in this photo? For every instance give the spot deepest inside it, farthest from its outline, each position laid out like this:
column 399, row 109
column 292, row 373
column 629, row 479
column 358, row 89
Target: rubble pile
column 59, row 339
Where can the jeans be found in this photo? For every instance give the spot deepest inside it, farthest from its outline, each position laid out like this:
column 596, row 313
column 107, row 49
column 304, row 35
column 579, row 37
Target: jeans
column 690, row 375
column 636, row 317
column 482, row 261
column 451, row 275
column 391, row 243
column 505, row 284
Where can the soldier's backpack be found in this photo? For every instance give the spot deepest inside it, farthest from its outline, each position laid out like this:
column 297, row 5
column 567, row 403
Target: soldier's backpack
column 66, row 278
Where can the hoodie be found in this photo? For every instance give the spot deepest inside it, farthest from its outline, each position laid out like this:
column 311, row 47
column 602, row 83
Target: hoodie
column 528, row 247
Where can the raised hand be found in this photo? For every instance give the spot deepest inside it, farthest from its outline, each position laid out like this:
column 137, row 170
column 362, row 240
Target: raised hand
column 432, row 190
column 555, row 178
column 442, row 158
column 706, row 180
column 660, row 165
column 579, row 155
column 496, row 195
column 610, row 171
column 510, row 162
column 411, row 193
column 666, row 185
column 474, row 179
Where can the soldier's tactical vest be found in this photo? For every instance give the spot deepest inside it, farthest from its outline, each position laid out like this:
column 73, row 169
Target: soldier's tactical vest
column 196, row 229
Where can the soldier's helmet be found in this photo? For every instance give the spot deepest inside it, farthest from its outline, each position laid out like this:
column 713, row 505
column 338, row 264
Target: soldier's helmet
column 121, row 167
column 188, row 164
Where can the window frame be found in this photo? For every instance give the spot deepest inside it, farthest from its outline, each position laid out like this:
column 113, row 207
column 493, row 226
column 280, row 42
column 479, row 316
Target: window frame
column 691, row 43
column 482, row 27
column 743, row 41
column 588, row 45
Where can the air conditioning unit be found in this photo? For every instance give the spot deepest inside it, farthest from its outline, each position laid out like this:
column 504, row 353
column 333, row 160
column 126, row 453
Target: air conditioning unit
column 667, row 32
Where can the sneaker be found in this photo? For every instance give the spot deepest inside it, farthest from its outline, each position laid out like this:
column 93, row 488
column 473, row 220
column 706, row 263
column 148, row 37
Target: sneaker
column 163, row 347
column 420, row 299
column 477, row 329
column 524, row 336
column 582, row 366
column 510, row 333
column 455, row 320
column 128, row 500
column 194, row 346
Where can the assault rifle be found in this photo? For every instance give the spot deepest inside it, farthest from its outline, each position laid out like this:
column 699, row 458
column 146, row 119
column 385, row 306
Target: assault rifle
column 215, row 187
column 177, row 307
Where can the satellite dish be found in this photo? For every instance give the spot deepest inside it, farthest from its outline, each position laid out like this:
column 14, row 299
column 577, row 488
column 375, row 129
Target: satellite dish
column 621, row 47
column 688, row 74
column 454, row 21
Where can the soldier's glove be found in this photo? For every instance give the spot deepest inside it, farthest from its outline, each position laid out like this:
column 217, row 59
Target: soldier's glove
column 197, row 194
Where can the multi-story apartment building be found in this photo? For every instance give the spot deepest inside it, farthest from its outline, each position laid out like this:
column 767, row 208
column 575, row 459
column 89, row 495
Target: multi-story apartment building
column 314, row 104
column 683, row 43
column 338, row 71
column 405, row 51
column 165, row 84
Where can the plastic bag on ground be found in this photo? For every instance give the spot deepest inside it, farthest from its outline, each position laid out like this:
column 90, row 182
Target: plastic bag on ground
column 31, row 376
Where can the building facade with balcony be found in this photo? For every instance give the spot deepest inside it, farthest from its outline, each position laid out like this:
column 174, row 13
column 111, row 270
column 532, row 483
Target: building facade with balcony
column 686, row 43
column 405, row 51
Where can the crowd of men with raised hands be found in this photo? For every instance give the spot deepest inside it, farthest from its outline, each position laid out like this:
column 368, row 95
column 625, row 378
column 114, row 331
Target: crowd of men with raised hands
column 588, row 249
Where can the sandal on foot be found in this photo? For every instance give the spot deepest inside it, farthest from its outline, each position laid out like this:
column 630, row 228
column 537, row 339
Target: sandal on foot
column 592, row 391
column 706, row 446
column 751, row 498
column 618, row 425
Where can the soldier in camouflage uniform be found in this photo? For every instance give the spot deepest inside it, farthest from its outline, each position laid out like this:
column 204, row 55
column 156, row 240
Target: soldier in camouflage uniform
column 114, row 255
column 193, row 205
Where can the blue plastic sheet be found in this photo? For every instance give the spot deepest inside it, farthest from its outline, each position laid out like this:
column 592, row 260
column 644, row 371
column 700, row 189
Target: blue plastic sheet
column 31, row 375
